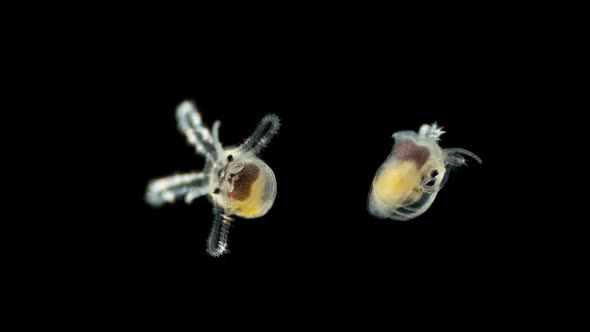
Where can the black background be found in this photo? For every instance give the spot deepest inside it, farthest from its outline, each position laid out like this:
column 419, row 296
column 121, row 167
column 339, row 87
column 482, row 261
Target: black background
column 78, row 156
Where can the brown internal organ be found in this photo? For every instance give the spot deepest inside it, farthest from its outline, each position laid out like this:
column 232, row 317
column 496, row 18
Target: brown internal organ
column 243, row 181
column 407, row 150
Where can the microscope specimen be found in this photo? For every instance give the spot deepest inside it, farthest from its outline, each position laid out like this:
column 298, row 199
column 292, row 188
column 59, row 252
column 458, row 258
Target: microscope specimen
column 235, row 180
column 408, row 181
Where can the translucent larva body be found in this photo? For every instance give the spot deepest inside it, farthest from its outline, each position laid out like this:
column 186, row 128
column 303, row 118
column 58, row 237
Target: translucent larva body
column 237, row 182
column 408, row 181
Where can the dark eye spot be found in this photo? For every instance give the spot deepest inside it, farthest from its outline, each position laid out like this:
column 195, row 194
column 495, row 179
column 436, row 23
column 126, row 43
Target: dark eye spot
column 230, row 158
column 216, row 191
column 434, row 173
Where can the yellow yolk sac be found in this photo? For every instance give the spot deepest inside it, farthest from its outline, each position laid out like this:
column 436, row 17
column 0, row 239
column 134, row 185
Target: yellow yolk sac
column 254, row 190
column 395, row 184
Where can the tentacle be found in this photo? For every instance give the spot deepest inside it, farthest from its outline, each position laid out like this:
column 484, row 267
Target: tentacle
column 454, row 156
column 218, row 236
column 195, row 192
column 171, row 188
column 267, row 128
column 197, row 134
column 216, row 141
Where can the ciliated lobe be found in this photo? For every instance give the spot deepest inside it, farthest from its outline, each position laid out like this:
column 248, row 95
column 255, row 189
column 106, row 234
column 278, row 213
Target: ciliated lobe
column 242, row 182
